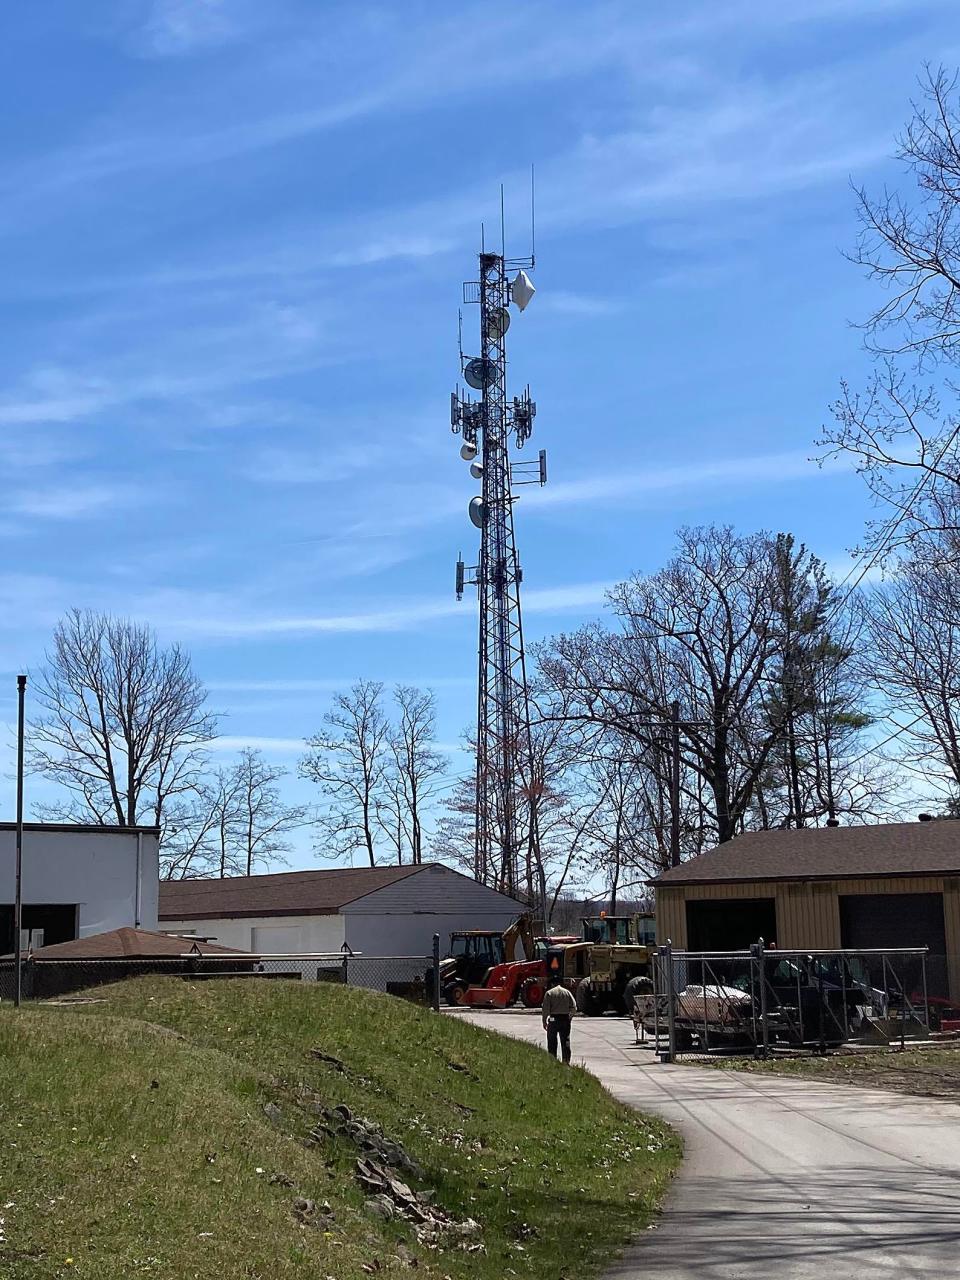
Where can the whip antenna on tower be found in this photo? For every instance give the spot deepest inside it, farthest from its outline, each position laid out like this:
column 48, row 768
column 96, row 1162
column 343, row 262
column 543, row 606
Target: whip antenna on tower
column 488, row 426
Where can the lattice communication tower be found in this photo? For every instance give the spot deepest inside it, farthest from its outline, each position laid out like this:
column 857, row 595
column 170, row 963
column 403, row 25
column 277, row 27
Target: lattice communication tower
column 488, row 424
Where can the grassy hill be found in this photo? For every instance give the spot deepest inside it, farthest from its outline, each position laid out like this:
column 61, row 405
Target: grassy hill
column 166, row 1132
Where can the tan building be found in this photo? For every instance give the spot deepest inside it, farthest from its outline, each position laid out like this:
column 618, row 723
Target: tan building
column 890, row 885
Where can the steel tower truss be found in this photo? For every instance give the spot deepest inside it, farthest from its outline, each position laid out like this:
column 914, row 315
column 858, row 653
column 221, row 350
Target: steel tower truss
column 503, row 747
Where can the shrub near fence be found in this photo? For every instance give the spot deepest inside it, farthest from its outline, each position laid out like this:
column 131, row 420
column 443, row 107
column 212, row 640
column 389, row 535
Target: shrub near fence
column 403, row 976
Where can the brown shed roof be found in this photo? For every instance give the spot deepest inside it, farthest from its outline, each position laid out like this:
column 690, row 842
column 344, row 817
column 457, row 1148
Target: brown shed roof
column 827, row 853
column 134, row 943
column 289, row 893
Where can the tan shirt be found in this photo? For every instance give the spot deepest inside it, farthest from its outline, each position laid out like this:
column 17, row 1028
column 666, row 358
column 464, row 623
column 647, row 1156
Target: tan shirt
column 558, row 1000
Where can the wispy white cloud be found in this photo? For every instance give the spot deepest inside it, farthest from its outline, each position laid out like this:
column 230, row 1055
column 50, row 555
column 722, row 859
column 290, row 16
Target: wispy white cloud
column 287, row 466
column 728, row 138
column 173, row 28
column 773, row 468
column 578, row 304
column 71, row 501
column 189, row 363
column 218, row 617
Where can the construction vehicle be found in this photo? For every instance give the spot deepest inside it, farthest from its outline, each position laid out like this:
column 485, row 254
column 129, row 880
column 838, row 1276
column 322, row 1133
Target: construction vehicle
column 636, row 930
column 612, row 964
column 482, row 967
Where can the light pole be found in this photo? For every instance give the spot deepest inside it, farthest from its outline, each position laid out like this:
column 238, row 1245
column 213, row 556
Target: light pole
column 18, row 899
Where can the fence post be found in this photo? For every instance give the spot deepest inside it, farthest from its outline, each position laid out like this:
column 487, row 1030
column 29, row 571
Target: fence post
column 903, row 1001
column 345, row 950
column 671, row 1054
column 436, row 973
column 764, row 1028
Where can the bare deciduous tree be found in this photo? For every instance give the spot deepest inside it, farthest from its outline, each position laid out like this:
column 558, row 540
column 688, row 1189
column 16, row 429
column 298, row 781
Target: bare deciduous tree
column 261, row 820
column 914, row 250
column 733, row 630
column 896, row 431
column 347, row 760
column 414, row 772
column 914, row 623
column 233, row 823
column 123, row 722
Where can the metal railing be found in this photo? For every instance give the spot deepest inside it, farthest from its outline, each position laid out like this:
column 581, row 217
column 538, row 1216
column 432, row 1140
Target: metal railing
column 763, row 1000
column 408, row 977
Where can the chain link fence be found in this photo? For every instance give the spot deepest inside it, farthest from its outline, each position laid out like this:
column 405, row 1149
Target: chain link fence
column 409, row 977
column 766, row 1000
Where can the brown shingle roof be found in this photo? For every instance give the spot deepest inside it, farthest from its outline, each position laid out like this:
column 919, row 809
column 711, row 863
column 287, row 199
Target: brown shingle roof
column 289, row 893
column 139, row 943
column 827, row 853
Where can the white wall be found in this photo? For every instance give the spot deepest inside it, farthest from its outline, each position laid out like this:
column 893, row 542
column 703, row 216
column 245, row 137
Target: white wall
column 401, row 919
column 282, row 933
column 97, row 870
column 393, row 935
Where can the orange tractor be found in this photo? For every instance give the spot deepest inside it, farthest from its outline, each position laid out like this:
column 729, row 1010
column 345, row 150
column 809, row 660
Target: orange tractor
column 483, row 968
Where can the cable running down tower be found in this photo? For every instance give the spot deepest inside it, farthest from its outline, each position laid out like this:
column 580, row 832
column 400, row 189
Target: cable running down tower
column 487, row 425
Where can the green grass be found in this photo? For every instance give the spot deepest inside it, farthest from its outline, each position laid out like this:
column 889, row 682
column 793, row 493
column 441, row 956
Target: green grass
column 134, row 1142
column 930, row 1073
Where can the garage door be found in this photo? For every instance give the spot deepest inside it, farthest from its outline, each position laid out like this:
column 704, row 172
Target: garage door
column 731, row 924
column 276, row 939
column 898, row 920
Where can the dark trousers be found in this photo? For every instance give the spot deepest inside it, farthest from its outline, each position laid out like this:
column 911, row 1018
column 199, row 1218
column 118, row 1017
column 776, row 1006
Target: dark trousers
column 558, row 1029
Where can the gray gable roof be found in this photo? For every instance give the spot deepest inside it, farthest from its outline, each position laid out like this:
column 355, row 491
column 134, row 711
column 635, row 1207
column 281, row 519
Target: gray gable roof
column 827, row 853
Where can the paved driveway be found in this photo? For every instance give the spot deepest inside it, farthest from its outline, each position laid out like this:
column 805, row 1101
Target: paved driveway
column 783, row 1179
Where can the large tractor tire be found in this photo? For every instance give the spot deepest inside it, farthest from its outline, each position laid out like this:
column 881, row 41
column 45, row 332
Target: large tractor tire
column 454, row 993
column 589, row 1003
column 635, row 987
column 532, row 991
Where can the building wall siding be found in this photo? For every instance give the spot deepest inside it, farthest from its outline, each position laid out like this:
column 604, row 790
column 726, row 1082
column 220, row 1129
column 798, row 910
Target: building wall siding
column 435, row 890
column 96, row 872
column 808, row 912
column 412, row 935
column 402, row 918
column 317, row 934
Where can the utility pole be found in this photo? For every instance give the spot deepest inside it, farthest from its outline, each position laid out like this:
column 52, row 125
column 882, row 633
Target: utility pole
column 18, row 898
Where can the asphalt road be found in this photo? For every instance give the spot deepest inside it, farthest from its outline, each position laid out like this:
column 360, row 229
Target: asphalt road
column 782, row 1179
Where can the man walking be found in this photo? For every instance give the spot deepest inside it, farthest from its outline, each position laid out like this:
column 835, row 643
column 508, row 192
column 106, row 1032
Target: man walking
column 558, row 1009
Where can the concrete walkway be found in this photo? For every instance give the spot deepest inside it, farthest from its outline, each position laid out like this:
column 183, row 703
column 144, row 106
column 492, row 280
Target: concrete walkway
column 783, row 1179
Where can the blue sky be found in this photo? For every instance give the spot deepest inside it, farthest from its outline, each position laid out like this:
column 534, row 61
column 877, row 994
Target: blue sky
column 233, row 236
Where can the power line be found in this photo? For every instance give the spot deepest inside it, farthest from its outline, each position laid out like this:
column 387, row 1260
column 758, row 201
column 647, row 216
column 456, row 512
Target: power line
column 895, row 521
column 904, row 728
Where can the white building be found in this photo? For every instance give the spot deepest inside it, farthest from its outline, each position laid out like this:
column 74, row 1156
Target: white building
column 78, row 880
column 379, row 911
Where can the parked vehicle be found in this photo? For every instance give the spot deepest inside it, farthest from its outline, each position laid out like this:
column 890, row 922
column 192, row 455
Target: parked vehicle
column 613, row 962
column 490, row 970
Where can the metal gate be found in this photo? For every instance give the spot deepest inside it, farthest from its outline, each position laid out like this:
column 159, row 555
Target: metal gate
column 765, row 999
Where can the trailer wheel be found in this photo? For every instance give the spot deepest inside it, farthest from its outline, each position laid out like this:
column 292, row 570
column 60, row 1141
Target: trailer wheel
column 531, row 993
column 454, row 993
